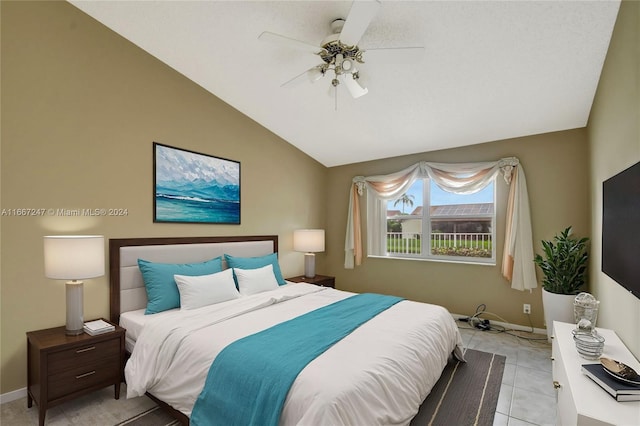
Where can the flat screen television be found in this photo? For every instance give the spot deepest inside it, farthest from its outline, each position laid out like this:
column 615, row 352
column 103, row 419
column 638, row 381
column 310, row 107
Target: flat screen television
column 621, row 228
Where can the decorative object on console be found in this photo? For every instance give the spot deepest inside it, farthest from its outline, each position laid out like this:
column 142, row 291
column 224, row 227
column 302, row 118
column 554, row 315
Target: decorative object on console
column 621, row 371
column 585, row 312
column 194, row 188
column 74, row 258
column 309, row 241
column 620, row 390
column 589, row 345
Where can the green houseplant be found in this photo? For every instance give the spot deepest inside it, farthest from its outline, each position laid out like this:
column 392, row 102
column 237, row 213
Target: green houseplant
column 564, row 263
column 564, row 266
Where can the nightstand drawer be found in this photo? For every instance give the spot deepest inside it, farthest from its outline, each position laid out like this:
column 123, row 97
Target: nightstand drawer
column 84, row 355
column 83, row 377
column 61, row 367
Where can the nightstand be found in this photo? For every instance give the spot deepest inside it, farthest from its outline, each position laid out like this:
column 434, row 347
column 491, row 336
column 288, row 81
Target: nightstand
column 322, row 280
column 61, row 367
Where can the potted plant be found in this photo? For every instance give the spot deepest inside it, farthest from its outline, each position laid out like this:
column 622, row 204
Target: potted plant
column 564, row 266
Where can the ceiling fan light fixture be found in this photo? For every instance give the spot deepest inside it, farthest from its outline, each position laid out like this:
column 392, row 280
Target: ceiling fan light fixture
column 339, row 51
column 354, row 86
column 316, row 73
column 347, row 64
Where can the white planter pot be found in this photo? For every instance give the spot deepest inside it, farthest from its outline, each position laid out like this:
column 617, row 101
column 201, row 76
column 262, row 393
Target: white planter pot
column 557, row 307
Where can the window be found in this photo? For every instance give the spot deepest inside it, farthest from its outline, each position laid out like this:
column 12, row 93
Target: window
column 458, row 178
column 427, row 222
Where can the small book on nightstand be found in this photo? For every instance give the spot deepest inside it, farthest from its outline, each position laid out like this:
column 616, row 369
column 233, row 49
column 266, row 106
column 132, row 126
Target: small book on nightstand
column 98, row 327
column 617, row 389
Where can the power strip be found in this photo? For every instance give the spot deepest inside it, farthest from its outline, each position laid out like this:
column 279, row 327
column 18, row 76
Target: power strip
column 480, row 324
column 483, row 325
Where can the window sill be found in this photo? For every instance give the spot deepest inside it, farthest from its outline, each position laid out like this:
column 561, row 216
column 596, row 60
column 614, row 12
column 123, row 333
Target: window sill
column 488, row 262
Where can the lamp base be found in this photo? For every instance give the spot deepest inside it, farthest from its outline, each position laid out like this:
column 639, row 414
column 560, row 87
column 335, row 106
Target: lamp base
column 75, row 318
column 309, row 265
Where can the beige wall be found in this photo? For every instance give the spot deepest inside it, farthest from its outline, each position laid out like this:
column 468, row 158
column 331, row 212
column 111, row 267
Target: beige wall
column 81, row 108
column 556, row 168
column 614, row 138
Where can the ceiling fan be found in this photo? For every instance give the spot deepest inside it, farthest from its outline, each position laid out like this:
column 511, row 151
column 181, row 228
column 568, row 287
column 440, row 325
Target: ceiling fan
column 340, row 52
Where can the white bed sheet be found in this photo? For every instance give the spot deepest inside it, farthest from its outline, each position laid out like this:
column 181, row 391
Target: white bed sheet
column 379, row 374
column 133, row 322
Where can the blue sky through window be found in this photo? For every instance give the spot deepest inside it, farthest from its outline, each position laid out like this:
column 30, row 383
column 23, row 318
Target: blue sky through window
column 440, row 197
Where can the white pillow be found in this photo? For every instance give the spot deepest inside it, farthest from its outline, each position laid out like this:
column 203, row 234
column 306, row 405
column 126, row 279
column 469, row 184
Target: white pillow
column 203, row 290
column 252, row 281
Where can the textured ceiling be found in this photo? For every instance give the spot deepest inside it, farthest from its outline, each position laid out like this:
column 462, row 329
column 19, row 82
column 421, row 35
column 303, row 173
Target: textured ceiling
column 490, row 70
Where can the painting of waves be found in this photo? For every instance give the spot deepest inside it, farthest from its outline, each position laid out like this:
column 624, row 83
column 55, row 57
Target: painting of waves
column 195, row 188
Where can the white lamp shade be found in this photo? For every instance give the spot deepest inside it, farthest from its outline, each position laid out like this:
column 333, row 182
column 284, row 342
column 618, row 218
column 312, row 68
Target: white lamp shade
column 73, row 257
column 308, row 240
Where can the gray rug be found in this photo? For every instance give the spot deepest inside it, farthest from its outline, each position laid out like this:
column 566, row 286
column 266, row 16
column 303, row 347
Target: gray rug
column 152, row 417
column 466, row 394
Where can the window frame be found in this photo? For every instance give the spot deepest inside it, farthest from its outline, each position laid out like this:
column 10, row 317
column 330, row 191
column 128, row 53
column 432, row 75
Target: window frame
column 425, row 243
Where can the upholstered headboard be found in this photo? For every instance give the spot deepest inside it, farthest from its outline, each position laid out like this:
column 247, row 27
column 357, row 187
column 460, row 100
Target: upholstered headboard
column 127, row 292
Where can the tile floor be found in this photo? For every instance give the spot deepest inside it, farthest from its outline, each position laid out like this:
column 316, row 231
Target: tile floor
column 526, row 397
column 96, row 409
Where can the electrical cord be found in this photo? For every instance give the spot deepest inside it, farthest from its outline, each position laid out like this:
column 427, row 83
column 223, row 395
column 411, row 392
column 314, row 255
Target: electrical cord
column 483, row 324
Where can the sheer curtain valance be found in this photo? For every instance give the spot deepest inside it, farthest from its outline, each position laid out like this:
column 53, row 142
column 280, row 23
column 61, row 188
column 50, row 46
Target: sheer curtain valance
column 461, row 178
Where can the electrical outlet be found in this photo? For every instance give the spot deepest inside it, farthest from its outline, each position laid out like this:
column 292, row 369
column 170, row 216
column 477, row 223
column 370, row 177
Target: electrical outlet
column 526, row 308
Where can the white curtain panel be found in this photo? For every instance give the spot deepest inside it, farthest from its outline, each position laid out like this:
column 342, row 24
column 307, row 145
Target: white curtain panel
column 460, row 178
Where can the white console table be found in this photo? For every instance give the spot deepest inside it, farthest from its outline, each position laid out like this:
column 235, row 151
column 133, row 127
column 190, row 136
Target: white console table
column 580, row 401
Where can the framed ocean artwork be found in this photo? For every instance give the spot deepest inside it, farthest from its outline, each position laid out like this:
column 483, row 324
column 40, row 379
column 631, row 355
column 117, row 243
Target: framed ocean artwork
column 190, row 187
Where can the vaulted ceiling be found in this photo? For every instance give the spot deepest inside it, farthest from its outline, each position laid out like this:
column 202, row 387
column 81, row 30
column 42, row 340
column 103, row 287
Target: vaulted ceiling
column 489, row 70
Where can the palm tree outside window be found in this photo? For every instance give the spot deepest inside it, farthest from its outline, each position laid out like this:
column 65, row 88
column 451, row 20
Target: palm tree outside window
column 406, row 199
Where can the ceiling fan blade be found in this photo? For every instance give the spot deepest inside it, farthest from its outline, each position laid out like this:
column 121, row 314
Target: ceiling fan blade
column 353, row 86
column 297, row 79
column 313, row 74
column 359, row 18
column 290, row 42
column 394, row 55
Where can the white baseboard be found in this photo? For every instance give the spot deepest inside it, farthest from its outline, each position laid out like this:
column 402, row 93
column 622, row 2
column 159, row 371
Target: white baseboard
column 13, row 395
column 507, row 325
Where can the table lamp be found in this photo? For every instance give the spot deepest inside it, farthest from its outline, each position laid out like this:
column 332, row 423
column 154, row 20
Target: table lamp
column 74, row 258
column 309, row 241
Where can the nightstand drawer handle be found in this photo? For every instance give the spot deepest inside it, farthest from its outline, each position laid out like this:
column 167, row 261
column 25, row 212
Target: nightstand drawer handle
column 556, row 384
column 86, row 374
column 85, row 349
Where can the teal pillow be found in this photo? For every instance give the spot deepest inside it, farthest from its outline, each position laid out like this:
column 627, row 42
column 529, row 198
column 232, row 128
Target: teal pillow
column 255, row 263
column 162, row 290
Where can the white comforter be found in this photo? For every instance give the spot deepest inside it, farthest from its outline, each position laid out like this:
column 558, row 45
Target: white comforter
column 379, row 374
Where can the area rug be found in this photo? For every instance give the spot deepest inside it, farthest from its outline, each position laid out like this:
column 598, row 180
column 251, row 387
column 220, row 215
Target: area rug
column 466, row 393
column 154, row 416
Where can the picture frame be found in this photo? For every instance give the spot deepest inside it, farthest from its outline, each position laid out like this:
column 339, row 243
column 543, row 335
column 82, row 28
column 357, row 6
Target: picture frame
column 191, row 187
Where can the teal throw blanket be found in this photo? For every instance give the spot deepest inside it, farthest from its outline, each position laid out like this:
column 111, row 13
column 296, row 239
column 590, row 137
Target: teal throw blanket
column 249, row 380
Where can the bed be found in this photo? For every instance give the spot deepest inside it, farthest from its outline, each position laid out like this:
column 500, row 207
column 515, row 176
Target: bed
column 377, row 374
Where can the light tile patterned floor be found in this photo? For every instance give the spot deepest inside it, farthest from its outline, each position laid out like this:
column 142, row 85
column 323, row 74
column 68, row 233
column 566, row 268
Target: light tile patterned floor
column 526, row 397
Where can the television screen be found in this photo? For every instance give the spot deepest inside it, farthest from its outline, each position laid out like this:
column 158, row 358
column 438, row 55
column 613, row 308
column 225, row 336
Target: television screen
column 621, row 228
